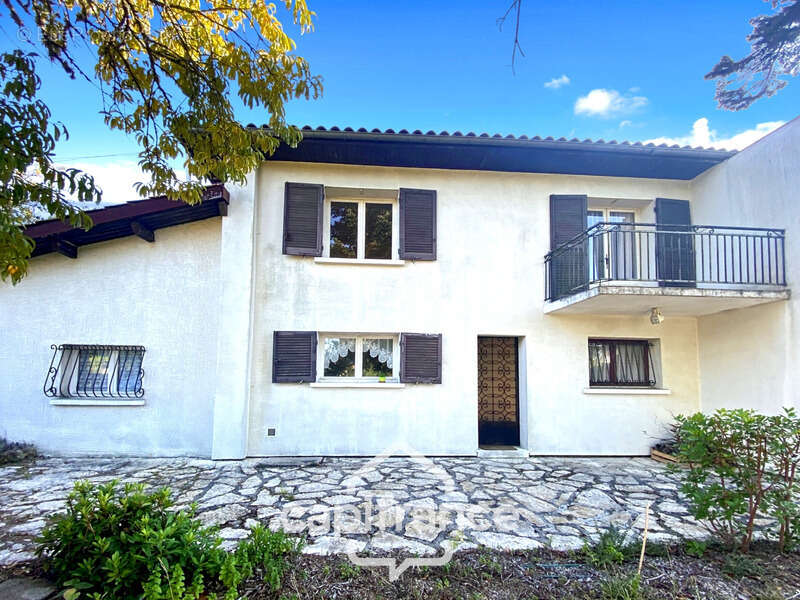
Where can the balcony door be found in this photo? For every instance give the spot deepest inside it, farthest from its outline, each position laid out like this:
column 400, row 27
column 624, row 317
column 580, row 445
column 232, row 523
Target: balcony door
column 612, row 252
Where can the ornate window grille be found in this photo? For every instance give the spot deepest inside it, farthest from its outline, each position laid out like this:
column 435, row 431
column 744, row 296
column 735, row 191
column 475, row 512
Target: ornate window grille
column 95, row 371
column 620, row 363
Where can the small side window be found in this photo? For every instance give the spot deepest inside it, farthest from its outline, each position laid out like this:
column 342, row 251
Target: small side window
column 95, row 371
column 618, row 362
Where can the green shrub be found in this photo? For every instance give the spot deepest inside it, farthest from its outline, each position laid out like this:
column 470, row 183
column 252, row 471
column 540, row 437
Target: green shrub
column 611, row 549
column 126, row 544
column 741, row 463
column 696, row 548
column 16, row 452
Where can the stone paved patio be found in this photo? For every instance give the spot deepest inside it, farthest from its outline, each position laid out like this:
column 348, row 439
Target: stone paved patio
column 416, row 506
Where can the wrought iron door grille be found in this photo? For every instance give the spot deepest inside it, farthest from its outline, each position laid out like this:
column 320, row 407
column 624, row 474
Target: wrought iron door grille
column 498, row 390
column 620, row 363
column 95, row 371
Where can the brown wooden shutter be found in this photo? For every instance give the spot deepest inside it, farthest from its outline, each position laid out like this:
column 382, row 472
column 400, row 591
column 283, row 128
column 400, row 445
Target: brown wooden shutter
column 294, row 356
column 302, row 219
column 420, row 358
column 675, row 256
column 568, row 269
column 417, row 224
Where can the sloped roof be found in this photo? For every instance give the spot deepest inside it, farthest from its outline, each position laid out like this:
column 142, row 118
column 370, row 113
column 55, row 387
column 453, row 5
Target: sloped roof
column 138, row 217
column 473, row 151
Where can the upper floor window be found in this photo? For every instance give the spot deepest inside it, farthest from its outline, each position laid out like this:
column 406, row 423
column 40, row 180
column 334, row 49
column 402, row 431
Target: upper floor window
column 359, row 224
column 95, row 371
column 617, row 362
column 361, row 229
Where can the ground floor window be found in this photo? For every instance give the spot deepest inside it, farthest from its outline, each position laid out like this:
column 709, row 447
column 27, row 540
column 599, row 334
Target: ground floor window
column 95, row 371
column 618, row 362
column 365, row 357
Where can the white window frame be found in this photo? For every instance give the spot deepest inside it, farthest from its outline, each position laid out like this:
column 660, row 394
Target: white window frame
column 361, row 236
column 606, row 218
column 360, row 337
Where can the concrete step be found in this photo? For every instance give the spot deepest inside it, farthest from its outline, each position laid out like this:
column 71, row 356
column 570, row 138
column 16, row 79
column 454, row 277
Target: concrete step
column 502, row 452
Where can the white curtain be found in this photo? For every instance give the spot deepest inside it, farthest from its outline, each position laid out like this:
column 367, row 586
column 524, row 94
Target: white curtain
column 380, row 349
column 336, row 348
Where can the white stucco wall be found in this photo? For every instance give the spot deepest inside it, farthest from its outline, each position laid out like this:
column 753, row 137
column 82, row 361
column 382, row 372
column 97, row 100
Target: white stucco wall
column 493, row 232
column 749, row 357
column 164, row 296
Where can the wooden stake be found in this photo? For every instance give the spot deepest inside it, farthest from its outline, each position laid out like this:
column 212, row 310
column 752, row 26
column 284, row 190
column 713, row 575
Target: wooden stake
column 644, row 536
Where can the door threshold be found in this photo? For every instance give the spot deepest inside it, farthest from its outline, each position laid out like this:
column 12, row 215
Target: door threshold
column 493, row 451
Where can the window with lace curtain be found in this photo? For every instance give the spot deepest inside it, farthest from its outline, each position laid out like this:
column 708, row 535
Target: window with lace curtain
column 363, row 357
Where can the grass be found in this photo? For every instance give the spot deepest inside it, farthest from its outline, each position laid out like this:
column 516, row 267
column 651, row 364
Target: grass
column 622, row 587
column 285, row 495
column 484, row 574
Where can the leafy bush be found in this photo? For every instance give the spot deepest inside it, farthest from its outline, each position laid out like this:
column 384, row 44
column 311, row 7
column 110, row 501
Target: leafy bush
column 741, row 463
column 611, row 549
column 696, row 548
column 16, row 452
column 128, row 544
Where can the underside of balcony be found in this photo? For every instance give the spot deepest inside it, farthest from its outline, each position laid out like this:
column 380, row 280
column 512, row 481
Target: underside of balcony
column 637, row 298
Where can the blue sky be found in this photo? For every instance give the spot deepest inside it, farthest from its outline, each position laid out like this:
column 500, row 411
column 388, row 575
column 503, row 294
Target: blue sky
column 634, row 69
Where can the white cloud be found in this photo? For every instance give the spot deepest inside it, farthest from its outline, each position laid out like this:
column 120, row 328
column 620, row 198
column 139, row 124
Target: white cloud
column 557, row 82
column 607, row 103
column 625, row 123
column 116, row 178
column 702, row 135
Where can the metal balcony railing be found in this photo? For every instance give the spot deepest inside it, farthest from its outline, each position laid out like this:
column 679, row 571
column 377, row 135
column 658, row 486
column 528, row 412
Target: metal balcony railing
column 669, row 255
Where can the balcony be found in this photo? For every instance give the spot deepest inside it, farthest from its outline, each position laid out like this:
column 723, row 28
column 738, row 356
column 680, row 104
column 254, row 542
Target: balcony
column 694, row 270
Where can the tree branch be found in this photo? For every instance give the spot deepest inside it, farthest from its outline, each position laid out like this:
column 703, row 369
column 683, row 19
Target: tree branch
column 516, row 5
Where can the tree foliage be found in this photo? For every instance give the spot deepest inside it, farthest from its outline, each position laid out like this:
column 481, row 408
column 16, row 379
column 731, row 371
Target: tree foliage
column 29, row 183
column 774, row 53
column 167, row 71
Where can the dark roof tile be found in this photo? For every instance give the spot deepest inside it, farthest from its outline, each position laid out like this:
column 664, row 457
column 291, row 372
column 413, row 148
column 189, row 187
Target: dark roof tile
column 496, row 135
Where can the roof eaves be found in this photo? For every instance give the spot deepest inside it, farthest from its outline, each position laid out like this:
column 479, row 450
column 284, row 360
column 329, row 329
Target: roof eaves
column 129, row 218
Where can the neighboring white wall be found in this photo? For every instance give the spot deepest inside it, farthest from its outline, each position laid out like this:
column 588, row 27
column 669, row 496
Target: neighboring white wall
column 493, row 233
column 749, row 357
column 164, row 296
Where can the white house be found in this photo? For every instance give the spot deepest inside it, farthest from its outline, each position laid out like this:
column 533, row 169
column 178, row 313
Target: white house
column 441, row 292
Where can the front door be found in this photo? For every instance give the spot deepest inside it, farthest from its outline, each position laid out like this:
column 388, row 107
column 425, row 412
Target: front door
column 498, row 391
